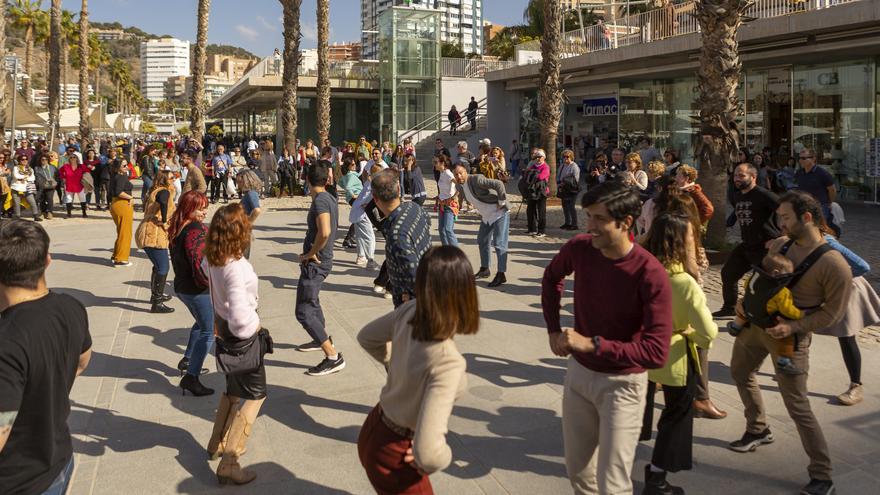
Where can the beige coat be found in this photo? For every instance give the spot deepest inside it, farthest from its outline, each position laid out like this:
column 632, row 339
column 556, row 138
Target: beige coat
column 152, row 233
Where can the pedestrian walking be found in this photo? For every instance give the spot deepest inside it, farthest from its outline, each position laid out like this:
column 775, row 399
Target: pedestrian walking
column 489, row 197
column 471, row 113
column 121, row 210
column 46, row 345
column 233, row 286
column 454, row 120
column 316, row 262
column 186, row 234
column 152, row 237
column 403, row 439
column 623, row 327
column 407, row 231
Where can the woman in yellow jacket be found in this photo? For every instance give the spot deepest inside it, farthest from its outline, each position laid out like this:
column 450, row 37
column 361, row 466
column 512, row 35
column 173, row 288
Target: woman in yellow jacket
column 667, row 239
column 152, row 237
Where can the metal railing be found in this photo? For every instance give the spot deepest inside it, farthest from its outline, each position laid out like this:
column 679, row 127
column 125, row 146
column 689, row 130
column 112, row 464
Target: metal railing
column 436, row 122
column 673, row 20
column 471, row 68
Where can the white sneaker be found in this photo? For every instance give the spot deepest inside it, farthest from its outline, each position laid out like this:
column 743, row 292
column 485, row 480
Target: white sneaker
column 361, row 261
column 388, row 295
column 378, row 289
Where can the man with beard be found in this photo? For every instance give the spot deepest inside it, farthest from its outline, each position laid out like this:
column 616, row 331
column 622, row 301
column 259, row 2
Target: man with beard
column 754, row 207
column 822, row 289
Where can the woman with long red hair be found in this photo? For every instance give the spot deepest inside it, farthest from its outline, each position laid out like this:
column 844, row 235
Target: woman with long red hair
column 187, row 234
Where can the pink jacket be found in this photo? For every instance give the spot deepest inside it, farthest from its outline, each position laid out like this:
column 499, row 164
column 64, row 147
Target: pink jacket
column 543, row 174
column 73, row 178
column 234, row 293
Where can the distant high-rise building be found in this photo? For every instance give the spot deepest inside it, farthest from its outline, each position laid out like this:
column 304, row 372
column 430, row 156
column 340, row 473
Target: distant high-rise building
column 461, row 22
column 228, row 67
column 161, row 59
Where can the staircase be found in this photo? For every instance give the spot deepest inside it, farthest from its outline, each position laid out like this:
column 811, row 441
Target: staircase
column 424, row 138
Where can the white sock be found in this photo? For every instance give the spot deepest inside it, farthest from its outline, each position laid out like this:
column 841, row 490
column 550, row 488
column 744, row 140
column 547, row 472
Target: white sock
column 333, row 357
column 655, row 469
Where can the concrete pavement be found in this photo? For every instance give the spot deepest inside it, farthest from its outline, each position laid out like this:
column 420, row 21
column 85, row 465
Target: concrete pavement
column 134, row 433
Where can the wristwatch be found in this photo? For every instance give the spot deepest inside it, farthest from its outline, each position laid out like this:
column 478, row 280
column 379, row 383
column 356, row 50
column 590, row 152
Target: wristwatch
column 596, row 341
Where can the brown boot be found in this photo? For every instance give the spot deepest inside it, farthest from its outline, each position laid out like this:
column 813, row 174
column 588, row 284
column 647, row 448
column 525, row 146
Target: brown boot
column 225, row 412
column 706, row 409
column 229, row 471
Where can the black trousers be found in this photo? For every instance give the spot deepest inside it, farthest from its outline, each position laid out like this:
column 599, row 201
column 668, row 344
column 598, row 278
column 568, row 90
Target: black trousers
column 673, row 449
column 739, row 263
column 536, row 212
column 217, row 183
column 285, row 181
column 45, row 198
column 308, row 299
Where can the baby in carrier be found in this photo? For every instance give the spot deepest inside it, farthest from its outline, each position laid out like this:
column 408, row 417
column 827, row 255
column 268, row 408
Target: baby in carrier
column 766, row 297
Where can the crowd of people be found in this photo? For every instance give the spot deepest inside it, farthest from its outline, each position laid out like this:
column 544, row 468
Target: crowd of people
column 641, row 317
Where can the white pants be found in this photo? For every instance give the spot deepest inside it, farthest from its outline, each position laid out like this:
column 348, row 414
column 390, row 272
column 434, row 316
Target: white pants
column 365, row 238
column 70, row 197
column 601, row 422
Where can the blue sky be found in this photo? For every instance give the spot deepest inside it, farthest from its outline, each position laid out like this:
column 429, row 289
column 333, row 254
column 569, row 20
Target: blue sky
column 253, row 24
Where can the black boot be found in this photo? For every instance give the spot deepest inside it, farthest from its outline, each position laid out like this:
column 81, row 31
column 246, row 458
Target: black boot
column 192, row 385
column 656, row 484
column 483, row 272
column 69, row 209
column 84, row 207
column 498, row 280
column 157, row 286
column 163, row 297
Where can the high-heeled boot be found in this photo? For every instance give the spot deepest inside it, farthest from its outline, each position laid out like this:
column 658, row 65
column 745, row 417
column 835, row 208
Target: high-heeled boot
column 225, row 412
column 230, row 471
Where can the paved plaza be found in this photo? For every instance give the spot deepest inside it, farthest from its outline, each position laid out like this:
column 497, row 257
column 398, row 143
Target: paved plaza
column 135, row 434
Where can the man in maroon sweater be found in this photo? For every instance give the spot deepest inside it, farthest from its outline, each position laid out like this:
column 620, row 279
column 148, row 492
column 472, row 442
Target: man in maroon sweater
column 622, row 327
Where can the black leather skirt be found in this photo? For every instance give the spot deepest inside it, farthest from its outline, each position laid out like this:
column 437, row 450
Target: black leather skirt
column 250, row 386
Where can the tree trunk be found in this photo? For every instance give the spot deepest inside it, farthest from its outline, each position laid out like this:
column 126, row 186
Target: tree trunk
column 551, row 85
column 28, row 60
column 290, row 76
column 54, row 83
column 84, row 124
column 197, row 100
column 323, row 84
column 717, row 79
column 3, row 75
column 65, row 60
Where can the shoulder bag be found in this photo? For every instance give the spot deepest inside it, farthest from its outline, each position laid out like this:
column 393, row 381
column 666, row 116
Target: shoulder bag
column 238, row 356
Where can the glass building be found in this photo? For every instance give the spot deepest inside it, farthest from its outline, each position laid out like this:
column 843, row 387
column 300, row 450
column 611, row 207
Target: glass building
column 833, row 108
column 409, row 55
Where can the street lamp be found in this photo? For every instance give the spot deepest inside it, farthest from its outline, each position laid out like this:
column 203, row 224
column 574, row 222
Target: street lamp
column 14, row 61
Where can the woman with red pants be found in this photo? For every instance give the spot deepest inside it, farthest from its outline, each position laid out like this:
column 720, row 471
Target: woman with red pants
column 403, row 439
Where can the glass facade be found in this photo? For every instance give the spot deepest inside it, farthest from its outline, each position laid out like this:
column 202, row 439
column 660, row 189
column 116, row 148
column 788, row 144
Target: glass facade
column 350, row 117
column 409, row 55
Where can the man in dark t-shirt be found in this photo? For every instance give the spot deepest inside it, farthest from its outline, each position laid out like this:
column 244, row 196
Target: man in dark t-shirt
column 315, row 265
column 45, row 345
column 755, row 209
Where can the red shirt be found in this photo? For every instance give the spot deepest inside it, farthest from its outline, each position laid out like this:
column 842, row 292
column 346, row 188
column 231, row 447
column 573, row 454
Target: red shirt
column 73, row 178
column 626, row 302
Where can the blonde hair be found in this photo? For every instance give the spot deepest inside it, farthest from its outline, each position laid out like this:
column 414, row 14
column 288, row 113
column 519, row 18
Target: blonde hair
column 656, row 169
column 568, row 153
column 635, row 158
column 689, row 171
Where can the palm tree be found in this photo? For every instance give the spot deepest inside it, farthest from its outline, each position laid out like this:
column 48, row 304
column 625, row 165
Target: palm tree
column 3, row 71
column 197, row 100
column 84, row 50
column 717, row 79
column 68, row 37
column 54, row 85
column 323, row 84
column 98, row 58
column 551, row 88
column 290, row 77
column 24, row 15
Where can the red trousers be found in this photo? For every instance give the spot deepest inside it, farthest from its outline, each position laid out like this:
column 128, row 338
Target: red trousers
column 381, row 452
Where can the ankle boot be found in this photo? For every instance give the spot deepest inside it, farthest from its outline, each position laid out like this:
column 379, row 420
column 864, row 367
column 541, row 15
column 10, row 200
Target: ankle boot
column 84, row 209
column 229, row 471
column 656, row 484
column 69, row 209
column 225, row 413
column 156, row 287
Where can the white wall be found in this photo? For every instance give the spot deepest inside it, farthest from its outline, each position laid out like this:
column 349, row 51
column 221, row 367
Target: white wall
column 458, row 91
column 503, row 120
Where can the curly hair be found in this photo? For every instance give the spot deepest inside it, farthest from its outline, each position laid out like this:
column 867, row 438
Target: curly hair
column 656, row 169
column 247, row 180
column 229, row 235
column 689, row 171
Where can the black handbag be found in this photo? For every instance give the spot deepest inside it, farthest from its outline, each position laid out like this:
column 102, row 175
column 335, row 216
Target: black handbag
column 238, row 356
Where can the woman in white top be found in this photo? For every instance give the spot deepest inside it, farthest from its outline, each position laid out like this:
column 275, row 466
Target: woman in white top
column 634, row 166
column 447, row 204
column 24, row 187
column 403, row 439
column 233, row 286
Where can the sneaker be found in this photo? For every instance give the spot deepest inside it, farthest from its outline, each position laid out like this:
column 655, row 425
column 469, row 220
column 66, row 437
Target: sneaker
column 361, row 261
column 724, row 312
column 372, row 265
column 818, row 487
column 540, row 235
column 327, row 366
column 388, row 295
column 852, row 396
column 121, row 263
column 309, row 346
column 733, row 329
column 378, row 289
column 751, row 441
column 530, row 232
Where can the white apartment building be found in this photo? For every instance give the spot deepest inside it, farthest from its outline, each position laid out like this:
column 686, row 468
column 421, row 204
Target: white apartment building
column 461, row 22
column 161, row 59
column 69, row 96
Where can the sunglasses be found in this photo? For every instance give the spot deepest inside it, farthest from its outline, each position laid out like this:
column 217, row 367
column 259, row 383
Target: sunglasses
column 805, row 157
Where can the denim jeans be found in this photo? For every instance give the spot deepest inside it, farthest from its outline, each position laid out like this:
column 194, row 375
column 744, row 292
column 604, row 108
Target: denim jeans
column 145, row 190
column 159, row 259
column 446, row 227
column 59, row 486
column 569, row 211
column 496, row 235
column 365, row 238
column 201, row 335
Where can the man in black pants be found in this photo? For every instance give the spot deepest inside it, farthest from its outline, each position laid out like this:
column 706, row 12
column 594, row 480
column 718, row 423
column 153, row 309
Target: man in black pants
column 315, row 265
column 755, row 208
